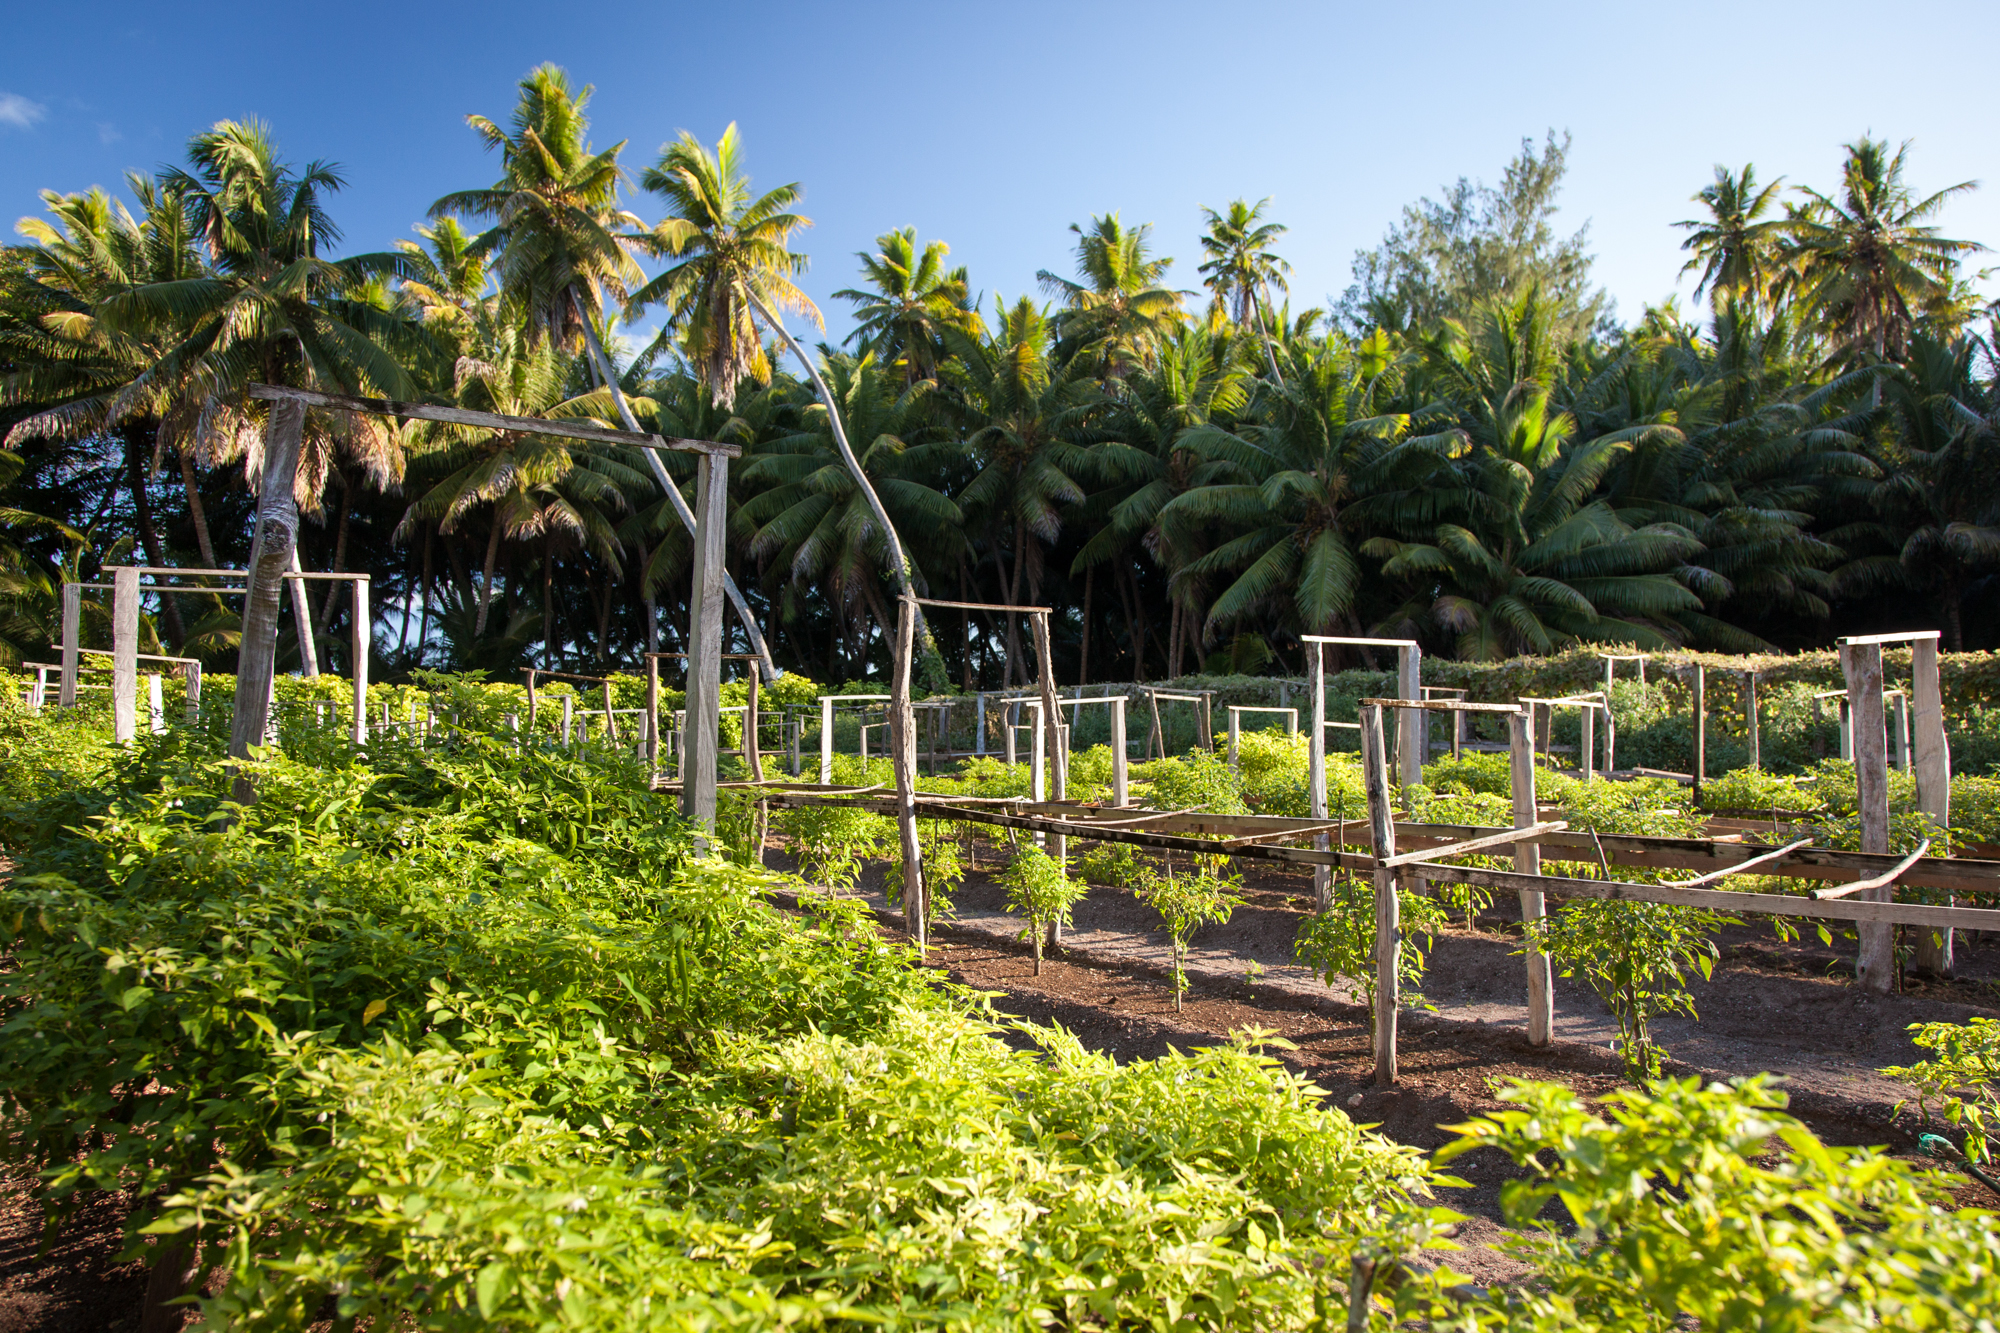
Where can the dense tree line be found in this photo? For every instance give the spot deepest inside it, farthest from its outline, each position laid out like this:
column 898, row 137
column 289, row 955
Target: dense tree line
column 1466, row 447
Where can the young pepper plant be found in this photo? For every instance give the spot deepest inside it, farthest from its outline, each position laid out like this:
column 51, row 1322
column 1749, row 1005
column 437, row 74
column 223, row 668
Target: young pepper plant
column 1185, row 904
column 1339, row 943
column 1039, row 890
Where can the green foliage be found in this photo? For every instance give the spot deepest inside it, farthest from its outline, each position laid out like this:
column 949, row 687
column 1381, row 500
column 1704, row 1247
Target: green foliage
column 1038, row 889
column 832, row 842
column 1272, row 773
column 1485, row 774
column 1112, row 863
column 1185, row 904
column 1756, row 789
column 1339, row 943
column 1198, row 780
column 1637, row 957
column 944, row 868
column 1962, row 1081
column 1708, row 1206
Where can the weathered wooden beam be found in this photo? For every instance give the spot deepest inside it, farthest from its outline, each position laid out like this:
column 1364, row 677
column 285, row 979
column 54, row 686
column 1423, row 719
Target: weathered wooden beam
column 458, row 416
column 1768, row 904
column 903, row 754
column 1743, row 866
column 361, row 644
column 1443, row 705
column 1506, row 837
column 982, row 606
column 1528, row 865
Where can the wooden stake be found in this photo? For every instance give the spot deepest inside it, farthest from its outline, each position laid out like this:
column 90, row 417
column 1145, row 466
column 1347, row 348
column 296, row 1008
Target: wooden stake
column 1875, row 964
column 1750, row 718
column 534, row 700
column 1587, row 742
column 361, row 642
column 1388, row 916
column 1931, row 756
column 652, row 713
column 1528, row 861
column 193, row 693
column 704, row 663
column 1412, row 727
column 1051, row 728
column 903, row 753
column 302, row 621
column 270, row 557
column 1120, row 786
column 611, row 714
column 72, row 616
column 1316, row 766
column 124, row 654
column 1700, row 729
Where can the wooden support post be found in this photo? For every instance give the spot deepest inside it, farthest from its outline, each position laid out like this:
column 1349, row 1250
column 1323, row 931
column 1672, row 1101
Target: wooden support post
column 193, row 681
column 1120, row 784
column 826, row 742
column 979, row 725
column 1412, row 725
column 1875, row 964
column 611, row 716
column 753, row 753
column 652, row 715
column 534, row 700
column 1316, row 767
column 1586, row 746
column 1051, row 728
column 1010, row 713
column 156, row 704
column 1235, row 736
column 1528, row 861
column 704, row 660
column 302, row 621
column 271, row 552
column 1544, row 725
column 1700, row 730
column 1750, row 718
column 1931, row 755
column 1388, row 916
column 124, row 654
column 1904, row 759
column 569, row 716
column 72, row 616
column 1457, row 736
column 1207, row 721
column 361, row 645
column 1610, row 736
column 903, row 754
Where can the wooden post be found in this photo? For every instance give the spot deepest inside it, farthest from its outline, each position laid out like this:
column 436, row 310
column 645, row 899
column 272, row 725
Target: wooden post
column 1235, row 734
column 156, row 704
column 1207, row 721
column 1931, row 753
column 124, row 654
column 1750, row 718
column 704, row 661
column 1905, row 761
column 569, row 716
column 271, row 553
column 72, row 615
column 302, row 617
column 798, row 740
column 979, row 725
column 1544, row 717
column 825, row 741
column 1120, row 786
column 1051, row 728
column 1875, row 964
column 1610, row 736
column 1388, row 916
column 1316, row 767
column 611, row 714
column 193, row 693
column 1159, row 732
column 1412, row 724
column 361, row 643
column 1700, row 729
column 534, row 700
column 903, row 754
column 753, row 753
column 1586, row 745
column 1010, row 713
column 652, row 714
column 1528, row 861
column 1457, row 736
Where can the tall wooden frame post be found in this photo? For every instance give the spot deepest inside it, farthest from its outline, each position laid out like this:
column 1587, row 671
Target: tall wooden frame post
column 1121, row 790
column 1413, row 727
column 1700, row 729
column 271, row 552
column 361, row 642
column 1861, row 663
column 1528, row 861
column 753, row 754
column 1388, row 911
column 1051, row 729
column 124, row 653
column 1932, row 756
column 1316, row 768
column 1750, row 718
column 72, row 617
column 903, row 754
column 704, row 662
column 652, row 715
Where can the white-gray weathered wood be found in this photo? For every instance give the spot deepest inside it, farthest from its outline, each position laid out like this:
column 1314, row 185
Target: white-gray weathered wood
column 72, row 616
column 704, row 662
column 124, row 654
column 1121, row 791
column 1316, row 765
column 1411, row 727
column 1931, row 753
column 271, row 551
column 458, row 416
column 903, row 756
column 1528, row 861
column 303, row 621
column 360, row 646
column 1388, row 914
column 1875, row 962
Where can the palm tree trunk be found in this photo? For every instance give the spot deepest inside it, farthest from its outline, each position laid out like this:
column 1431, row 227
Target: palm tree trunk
column 1174, row 641
column 1014, row 599
column 1083, row 666
column 1270, row 356
column 424, row 621
column 333, row 586
column 604, row 621
column 486, row 590
column 191, row 487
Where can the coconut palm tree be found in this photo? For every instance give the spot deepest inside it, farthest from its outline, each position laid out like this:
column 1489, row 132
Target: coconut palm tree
column 1241, row 268
column 913, row 298
column 1737, row 250
column 1867, row 264
column 1116, row 304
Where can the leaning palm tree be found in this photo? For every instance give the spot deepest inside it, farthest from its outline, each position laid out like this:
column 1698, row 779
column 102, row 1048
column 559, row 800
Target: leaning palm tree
column 914, row 297
column 1116, row 303
column 1241, row 268
column 1737, row 250
column 1866, row 264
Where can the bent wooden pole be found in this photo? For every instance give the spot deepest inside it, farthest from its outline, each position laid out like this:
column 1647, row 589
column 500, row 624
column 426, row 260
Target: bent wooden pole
column 271, row 552
column 903, row 753
column 1875, row 962
column 1388, row 917
column 1528, row 861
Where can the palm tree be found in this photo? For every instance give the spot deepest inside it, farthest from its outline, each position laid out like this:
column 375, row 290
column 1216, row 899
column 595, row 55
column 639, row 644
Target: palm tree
column 1241, row 268
column 1116, row 305
column 1737, row 254
column 1868, row 265
column 812, row 520
column 914, row 298
column 1028, row 413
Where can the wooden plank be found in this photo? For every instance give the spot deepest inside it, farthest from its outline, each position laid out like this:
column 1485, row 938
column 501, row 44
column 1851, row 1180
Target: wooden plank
column 1443, row 705
column 1316, row 768
column 982, row 606
column 1935, row 950
column 1359, row 643
column 1906, row 636
column 1096, row 833
column 1322, row 831
column 1882, row 881
column 1503, row 838
column 1413, row 729
column 72, row 617
column 1875, row 960
column 458, row 416
column 1767, row 904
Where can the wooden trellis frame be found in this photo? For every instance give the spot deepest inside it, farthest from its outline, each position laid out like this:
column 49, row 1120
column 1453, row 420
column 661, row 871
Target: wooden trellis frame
column 1156, row 735
column 1236, row 712
column 1409, row 672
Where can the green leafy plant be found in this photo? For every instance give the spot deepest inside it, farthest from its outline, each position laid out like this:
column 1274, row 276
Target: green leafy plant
column 944, row 869
column 1339, row 943
column 1961, row 1081
column 1112, row 863
column 833, row 842
column 1637, row 957
column 1185, row 904
column 1038, row 889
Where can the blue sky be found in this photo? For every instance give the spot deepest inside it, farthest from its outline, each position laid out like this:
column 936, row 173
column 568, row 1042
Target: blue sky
column 994, row 126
